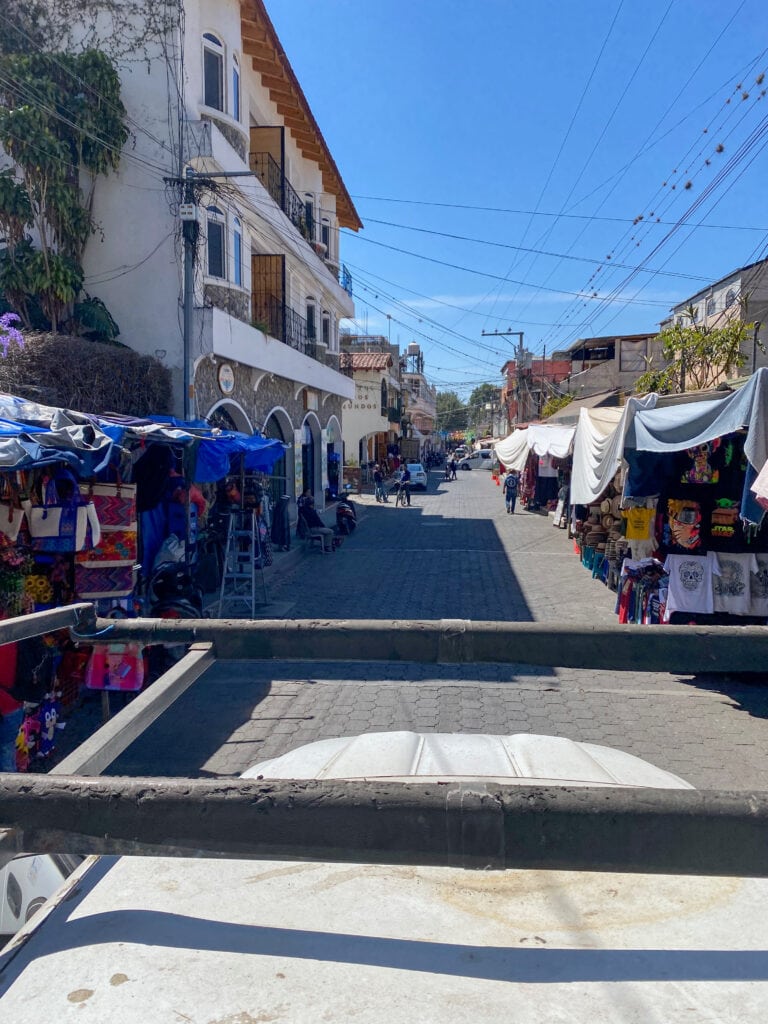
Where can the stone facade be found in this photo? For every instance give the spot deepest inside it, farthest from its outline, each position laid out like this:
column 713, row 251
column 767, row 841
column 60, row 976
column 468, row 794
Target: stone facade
column 255, row 396
column 234, row 301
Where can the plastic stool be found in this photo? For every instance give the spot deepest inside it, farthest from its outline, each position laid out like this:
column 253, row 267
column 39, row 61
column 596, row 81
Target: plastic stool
column 587, row 557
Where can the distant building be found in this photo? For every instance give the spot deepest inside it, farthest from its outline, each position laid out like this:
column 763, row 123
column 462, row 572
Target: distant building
column 371, row 421
column 610, row 363
column 742, row 294
column 529, row 383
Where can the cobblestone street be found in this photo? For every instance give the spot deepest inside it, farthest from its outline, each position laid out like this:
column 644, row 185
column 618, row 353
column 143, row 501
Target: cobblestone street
column 455, row 553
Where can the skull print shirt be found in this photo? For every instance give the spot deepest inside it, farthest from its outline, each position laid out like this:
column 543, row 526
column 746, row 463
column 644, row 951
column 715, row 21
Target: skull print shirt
column 732, row 587
column 690, row 583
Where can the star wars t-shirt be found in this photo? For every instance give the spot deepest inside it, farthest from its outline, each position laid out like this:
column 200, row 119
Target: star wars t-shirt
column 732, row 587
column 690, row 583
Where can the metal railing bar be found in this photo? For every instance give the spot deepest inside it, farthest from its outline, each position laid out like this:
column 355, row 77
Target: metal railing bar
column 115, row 736
column 680, row 649
column 22, row 627
column 467, row 825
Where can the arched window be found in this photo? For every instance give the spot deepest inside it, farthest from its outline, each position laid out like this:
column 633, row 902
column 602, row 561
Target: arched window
column 730, row 298
column 711, row 305
column 237, row 252
column 326, row 328
column 694, row 314
column 213, row 71
column 311, row 321
column 235, row 87
column 309, row 215
column 216, row 264
column 325, row 236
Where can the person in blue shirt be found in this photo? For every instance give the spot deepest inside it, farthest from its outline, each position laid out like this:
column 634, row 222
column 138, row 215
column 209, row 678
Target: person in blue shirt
column 510, row 491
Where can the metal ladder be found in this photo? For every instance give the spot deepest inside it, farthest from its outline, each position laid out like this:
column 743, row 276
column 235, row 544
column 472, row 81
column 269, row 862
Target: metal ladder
column 242, row 553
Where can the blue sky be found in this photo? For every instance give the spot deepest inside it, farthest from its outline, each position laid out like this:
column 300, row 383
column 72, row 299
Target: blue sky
column 566, row 121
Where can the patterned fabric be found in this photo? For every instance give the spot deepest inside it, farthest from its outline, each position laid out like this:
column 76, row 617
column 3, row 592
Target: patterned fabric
column 92, row 582
column 115, row 504
column 116, row 547
column 116, row 667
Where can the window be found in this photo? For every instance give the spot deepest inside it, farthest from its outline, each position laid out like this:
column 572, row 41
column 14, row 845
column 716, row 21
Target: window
column 711, row 306
column 215, row 242
column 326, row 328
column 237, row 252
column 695, row 314
column 730, row 298
column 309, row 216
column 311, row 328
column 325, row 236
column 235, row 87
column 213, row 72
column 632, row 356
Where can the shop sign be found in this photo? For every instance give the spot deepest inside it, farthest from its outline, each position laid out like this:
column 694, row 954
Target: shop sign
column 226, row 379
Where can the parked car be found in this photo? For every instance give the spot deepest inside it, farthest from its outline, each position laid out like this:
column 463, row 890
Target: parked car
column 418, row 476
column 478, row 460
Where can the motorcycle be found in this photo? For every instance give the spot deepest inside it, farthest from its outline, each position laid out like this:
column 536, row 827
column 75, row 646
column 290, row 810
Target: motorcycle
column 346, row 517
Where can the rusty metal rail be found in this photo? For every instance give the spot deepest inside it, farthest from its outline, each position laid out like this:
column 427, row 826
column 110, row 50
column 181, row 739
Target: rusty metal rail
column 683, row 649
column 467, row 825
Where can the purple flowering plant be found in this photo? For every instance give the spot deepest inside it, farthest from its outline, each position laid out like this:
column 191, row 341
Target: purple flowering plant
column 9, row 332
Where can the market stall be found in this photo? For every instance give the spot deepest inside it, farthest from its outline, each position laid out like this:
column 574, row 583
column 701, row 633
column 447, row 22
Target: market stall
column 541, row 454
column 94, row 508
column 684, row 527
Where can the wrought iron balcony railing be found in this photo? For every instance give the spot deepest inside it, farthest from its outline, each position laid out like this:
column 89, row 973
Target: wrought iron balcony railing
column 281, row 322
column 267, row 170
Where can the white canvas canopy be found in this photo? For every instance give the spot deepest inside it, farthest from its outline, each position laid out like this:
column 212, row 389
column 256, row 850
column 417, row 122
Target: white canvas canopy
column 553, row 439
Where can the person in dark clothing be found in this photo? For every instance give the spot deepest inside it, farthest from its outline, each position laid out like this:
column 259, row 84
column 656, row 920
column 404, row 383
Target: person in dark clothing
column 453, row 469
column 378, row 482
column 405, row 483
column 510, row 491
column 313, row 522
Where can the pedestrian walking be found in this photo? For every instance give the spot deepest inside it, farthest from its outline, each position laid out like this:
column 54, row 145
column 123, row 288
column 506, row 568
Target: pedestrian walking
column 509, row 489
column 378, row 483
column 453, row 469
column 405, row 483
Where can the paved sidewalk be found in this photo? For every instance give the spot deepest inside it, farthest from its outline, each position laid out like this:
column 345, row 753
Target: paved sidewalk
column 455, row 553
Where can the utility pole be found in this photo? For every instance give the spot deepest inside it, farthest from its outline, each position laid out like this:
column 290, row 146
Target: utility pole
column 518, row 359
column 188, row 213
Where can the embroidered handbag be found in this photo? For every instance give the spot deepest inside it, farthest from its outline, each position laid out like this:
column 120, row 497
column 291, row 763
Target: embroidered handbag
column 115, row 504
column 63, row 526
column 93, row 582
column 11, row 519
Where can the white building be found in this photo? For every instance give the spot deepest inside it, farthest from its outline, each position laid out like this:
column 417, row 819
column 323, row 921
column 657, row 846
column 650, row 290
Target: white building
column 219, row 95
column 372, row 419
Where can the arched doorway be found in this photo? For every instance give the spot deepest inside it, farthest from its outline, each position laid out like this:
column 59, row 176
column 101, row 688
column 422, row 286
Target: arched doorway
column 333, row 457
column 278, row 426
column 228, row 415
column 310, row 454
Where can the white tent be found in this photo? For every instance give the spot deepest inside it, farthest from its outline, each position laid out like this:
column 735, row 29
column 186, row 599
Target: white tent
column 553, row 439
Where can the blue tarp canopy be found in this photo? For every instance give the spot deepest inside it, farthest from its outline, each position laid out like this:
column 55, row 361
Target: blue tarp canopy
column 214, row 454
column 45, row 439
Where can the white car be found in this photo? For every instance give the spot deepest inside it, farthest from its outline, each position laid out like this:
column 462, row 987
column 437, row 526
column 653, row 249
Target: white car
column 25, row 885
column 418, row 475
column 478, row 460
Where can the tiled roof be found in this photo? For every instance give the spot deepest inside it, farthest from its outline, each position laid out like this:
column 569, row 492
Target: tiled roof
column 366, row 360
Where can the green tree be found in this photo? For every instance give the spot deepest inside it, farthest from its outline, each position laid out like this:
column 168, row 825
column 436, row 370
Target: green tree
column 451, row 411
column 62, row 124
column 695, row 357
column 554, row 403
column 483, row 395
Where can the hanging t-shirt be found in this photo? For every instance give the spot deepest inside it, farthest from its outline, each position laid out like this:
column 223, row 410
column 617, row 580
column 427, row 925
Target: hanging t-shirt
column 546, row 469
column 690, row 583
column 639, row 522
column 732, row 587
column 759, row 586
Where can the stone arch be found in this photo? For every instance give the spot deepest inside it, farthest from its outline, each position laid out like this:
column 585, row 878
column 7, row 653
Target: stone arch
column 278, row 425
column 311, row 456
column 232, row 411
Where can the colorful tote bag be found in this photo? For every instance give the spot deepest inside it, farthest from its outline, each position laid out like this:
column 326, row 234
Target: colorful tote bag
column 116, row 667
column 93, row 582
column 116, row 547
column 61, row 526
column 115, row 504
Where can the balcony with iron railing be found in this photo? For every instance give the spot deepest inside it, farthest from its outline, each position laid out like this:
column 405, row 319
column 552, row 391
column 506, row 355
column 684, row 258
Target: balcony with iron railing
column 280, row 321
column 267, row 170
